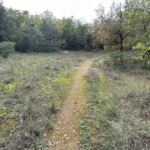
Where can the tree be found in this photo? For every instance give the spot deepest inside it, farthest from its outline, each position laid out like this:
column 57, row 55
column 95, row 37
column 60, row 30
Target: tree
column 70, row 33
column 2, row 16
column 114, row 27
column 75, row 33
column 44, row 32
column 30, row 39
column 95, row 33
column 138, row 14
column 82, row 30
column 52, row 37
column 8, row 25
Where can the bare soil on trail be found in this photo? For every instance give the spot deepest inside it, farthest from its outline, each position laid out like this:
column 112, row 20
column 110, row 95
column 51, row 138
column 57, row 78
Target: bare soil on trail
column 66, row 129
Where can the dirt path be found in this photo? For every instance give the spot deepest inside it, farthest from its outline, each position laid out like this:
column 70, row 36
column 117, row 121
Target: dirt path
column 65, row 134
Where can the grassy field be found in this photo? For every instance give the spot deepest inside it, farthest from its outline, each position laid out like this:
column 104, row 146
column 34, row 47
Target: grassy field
column 117, row 115
column 33, row 87
column 32, row 90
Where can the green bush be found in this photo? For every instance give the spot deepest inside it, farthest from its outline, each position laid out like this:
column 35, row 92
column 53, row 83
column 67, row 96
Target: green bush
column 117, row 57
column 87, row 48
column 1, row 59
column 6, row 48
column 143, row 51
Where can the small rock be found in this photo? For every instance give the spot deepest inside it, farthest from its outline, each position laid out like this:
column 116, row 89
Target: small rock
column 68, row 138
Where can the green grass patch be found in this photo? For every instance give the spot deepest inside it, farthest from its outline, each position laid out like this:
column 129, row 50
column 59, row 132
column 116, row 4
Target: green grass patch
column 117, row 112
column 32, row 90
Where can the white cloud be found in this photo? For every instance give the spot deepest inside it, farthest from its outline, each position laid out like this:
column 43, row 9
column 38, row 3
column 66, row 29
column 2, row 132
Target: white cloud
column 60, row 8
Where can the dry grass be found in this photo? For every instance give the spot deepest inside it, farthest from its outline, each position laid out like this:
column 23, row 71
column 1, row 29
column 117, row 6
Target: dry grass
column 32, row 90
column 118, row 110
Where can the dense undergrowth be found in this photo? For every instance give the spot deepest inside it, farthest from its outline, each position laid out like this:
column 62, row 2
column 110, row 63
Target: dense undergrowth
column 117, row 115
column 32, row 89
column 129, row 62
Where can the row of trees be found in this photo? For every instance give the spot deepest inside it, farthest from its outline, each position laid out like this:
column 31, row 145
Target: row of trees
column 43, row 32
column 119, row 29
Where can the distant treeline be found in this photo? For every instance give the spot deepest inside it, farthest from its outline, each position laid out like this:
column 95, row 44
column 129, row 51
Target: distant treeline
column 120, row 29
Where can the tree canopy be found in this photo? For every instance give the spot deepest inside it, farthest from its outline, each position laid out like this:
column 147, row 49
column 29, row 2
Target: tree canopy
column 120, row 29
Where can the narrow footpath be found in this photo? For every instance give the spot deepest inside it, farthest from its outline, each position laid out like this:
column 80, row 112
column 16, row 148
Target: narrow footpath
column 66, row 129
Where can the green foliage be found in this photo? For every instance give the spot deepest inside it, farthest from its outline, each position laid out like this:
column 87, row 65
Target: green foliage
column 116, row 57
column 139, row 21
column 130, row 62
column 44, row 33
column 2, row 113
column 115, row 115
column 113, row 27
column 49, row 125
column 30, row 39
column 52, row 37
column 6, row 48
column 143, row 52
column 1, row 59
column 121, row 28
column 52, row 108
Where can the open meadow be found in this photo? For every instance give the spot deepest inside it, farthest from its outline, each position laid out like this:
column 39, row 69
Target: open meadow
column 38, row 90
column 32, row 90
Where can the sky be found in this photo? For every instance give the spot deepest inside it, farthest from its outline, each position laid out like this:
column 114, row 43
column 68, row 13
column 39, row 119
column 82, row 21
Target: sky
column 61, row 8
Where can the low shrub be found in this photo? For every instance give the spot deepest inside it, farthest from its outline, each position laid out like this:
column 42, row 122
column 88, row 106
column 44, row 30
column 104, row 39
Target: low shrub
column 143, row 51
column 117, row 57
column 6, row 48
column 130, row 62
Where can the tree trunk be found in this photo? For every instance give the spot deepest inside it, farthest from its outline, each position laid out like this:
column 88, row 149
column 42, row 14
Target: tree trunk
column 121, row 35
column 121, row 47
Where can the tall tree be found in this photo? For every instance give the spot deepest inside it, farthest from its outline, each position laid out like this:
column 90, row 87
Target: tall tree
column 52, row 36
column 2, row 22
column 114, row 26
column 95, row 33
column 70, row 33
column 82, row 31
column 138, row 14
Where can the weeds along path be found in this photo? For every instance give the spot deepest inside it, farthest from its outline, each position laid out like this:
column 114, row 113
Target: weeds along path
column 65, row 133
